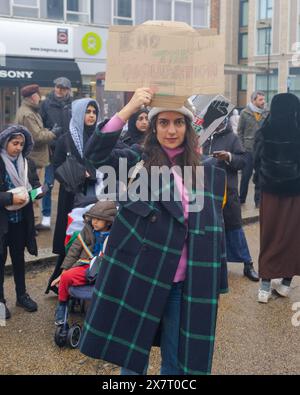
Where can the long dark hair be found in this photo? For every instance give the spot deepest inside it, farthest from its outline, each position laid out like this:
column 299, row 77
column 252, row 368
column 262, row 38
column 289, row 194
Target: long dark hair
column 156, row 156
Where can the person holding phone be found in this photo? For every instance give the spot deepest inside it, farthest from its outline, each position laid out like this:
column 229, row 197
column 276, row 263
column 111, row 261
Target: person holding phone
column 226, row 151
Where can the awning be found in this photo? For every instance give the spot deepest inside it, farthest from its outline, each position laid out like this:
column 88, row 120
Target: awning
column 22, row 71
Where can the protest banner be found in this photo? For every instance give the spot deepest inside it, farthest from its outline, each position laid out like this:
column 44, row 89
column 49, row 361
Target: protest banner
column 171, row 57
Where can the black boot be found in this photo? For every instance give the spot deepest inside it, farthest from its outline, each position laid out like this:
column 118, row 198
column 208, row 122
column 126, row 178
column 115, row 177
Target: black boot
column 250, row 273
column 27, row 303
column 7, row 312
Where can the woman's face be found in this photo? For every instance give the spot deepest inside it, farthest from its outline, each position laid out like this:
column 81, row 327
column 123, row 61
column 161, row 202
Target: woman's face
column 142, row 122
column 171, row 129
column 15, row 146
column 90, row 116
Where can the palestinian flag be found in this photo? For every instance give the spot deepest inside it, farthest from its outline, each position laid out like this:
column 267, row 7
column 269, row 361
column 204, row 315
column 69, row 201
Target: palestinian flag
column 75, row 225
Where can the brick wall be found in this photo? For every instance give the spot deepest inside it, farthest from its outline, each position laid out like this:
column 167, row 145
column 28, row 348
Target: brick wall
column 215, row 14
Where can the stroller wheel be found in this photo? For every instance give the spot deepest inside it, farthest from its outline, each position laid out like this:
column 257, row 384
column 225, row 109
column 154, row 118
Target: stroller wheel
column 61, row 335
column 74, row 335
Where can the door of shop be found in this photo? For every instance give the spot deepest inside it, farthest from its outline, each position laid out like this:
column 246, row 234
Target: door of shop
column 9, row 99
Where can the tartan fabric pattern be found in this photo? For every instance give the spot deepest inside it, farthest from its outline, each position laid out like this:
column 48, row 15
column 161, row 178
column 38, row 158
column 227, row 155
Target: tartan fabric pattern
column 137, row 273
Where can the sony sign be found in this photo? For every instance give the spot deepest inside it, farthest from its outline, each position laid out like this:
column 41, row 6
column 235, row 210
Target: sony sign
column 16, row 74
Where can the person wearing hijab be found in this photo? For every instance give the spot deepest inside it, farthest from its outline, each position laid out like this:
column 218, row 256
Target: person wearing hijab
column 224, row 149
column 84, row 119
column 138, row 125
column 277, row 173
column 16, row 211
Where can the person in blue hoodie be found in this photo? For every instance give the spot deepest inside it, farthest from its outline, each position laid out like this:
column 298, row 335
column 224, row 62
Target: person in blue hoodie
column 83, row 123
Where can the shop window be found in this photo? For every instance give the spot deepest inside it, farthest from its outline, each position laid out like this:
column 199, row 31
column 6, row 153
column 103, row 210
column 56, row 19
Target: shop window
column 201, row 13
column 25, row 8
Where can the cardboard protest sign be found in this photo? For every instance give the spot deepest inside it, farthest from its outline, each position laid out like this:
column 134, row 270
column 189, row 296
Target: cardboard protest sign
column 172, row 57
column 209, row 114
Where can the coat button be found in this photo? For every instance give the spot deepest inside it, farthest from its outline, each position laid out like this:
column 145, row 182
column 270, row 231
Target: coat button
column 153, row 219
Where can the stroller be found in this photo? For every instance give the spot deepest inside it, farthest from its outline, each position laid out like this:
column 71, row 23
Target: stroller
column 79, row 295
column 66, row 335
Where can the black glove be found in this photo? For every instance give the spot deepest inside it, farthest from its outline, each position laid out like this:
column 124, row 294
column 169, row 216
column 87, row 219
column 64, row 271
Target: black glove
column 216, row 109
column 57, row 130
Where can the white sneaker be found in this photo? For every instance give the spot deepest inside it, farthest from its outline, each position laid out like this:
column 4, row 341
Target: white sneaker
column 263, row 296
column 46, row 222
column 281, row 289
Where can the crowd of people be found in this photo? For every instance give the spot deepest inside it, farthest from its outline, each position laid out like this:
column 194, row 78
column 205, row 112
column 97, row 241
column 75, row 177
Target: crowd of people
column 164, row 262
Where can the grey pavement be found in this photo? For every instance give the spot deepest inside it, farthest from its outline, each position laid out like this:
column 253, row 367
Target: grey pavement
column 251, row 338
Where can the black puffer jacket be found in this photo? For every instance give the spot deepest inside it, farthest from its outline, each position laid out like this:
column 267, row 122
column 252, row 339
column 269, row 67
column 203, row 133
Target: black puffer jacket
column 277, row 148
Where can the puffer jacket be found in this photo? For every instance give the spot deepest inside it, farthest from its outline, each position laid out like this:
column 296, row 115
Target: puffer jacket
column 77, row 252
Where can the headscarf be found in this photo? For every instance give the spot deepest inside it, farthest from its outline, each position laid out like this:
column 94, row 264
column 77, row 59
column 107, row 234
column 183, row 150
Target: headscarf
column 16, row 167
column 133, row 133
column 284, row 118
column 77, row 126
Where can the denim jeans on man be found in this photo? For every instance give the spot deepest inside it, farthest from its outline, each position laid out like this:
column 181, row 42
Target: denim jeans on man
column 169, row 335
column 49, row 180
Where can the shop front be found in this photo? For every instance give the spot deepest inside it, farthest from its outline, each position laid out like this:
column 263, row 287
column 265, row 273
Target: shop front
column 19, row 72
column 33, row 53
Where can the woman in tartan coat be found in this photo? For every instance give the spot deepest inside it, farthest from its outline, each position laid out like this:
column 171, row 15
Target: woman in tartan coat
column 164, row 265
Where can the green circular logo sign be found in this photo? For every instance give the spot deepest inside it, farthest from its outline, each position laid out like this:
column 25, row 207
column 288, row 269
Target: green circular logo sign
column 92, row 43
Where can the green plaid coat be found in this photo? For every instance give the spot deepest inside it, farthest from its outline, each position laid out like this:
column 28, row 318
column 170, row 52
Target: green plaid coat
column 138, row 269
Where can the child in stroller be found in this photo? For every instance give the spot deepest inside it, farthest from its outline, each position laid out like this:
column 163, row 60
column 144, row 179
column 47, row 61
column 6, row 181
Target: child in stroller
column 74, row 282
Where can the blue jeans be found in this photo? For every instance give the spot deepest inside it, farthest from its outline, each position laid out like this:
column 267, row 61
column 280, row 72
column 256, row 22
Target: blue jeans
column 49, row 180
column 237, row 246
column 169, row 335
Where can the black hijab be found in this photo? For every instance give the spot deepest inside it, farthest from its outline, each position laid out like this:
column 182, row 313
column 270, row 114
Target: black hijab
column 134, row 135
